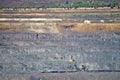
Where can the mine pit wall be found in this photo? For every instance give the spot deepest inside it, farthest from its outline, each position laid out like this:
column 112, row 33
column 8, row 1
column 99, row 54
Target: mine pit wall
column 38, row 52
column 35, row 47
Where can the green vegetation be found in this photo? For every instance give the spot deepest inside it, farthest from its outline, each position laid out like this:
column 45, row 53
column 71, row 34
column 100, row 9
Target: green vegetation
column 113, row 4
column 89, row 16
column 86, row 15
column 68, row 5
column 96, row 4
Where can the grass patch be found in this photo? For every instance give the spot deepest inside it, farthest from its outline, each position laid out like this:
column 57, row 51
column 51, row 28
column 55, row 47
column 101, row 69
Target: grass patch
column 84, row 14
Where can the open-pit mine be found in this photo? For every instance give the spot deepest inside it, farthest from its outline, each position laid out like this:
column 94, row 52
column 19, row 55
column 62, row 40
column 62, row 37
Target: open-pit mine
column 50, row 44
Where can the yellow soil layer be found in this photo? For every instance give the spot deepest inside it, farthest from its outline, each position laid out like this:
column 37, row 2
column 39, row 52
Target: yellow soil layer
column 28, row 27
column 90, row 27
column 58, row 27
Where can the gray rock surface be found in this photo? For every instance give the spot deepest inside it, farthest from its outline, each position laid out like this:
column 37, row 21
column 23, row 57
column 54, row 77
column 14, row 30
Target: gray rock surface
column 32, row 52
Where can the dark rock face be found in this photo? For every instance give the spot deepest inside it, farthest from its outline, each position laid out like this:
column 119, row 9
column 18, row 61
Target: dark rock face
column 32, row 52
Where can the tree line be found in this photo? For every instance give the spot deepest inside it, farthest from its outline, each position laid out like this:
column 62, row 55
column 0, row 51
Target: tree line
column 68, row 5
column 96, row 4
